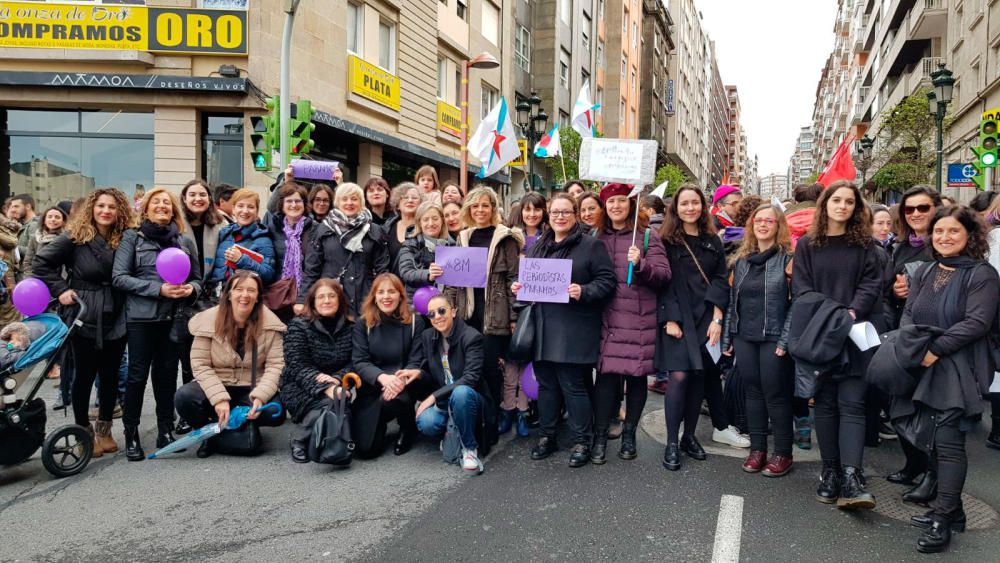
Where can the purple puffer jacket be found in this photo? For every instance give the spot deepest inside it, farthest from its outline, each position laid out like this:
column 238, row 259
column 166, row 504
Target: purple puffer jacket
column 628, row 331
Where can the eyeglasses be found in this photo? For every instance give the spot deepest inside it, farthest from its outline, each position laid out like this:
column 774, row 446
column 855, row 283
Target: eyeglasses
column 294, row 201
column 922, row 208
column 440, row 312
column 764, row 221
column 561, row 213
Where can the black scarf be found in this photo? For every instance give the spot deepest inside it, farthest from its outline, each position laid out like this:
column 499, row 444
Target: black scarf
column 762, row 257
column 951, row 308
column 165, row 237
column 547, row 247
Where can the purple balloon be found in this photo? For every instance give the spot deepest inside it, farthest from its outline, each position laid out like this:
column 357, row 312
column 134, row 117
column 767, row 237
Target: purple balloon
column 173, row 265
column 422, row 297
column 31, row 297
column 528, row 382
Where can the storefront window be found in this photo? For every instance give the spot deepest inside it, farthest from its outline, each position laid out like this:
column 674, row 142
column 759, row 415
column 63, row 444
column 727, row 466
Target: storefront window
column 222, row 149
column 61, row 155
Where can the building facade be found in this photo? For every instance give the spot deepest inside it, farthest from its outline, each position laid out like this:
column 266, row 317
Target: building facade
column 774, row 185
column 719, row 125
column 655, row 105
column 800, row 166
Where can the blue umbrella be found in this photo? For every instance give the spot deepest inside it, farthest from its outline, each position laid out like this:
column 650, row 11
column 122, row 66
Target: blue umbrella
column 237, row 418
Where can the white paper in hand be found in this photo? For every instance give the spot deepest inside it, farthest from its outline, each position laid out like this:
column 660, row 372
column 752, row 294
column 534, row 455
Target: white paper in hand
column 995, row 387
column 864, row 336
column 714, row 351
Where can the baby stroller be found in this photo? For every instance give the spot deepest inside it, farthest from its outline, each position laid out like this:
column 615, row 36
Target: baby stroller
column 66, row 451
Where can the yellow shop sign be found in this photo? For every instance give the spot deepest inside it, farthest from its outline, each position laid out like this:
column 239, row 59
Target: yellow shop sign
column 449, row 119
column 106, row 26
column 373, row 83
column 522, row 145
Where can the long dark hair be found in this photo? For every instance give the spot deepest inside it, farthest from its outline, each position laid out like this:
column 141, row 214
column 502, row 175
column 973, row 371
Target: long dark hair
column 977, row 246
column 672, row 230
column 859, row 225
column 588, row 195
column 903, row 230
column 225, row 324
column 211, row 216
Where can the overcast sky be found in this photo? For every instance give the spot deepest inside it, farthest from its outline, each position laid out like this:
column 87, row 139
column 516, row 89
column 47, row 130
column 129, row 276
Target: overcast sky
column 773, row 51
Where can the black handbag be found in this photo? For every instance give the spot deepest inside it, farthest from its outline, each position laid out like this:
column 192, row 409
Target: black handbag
column 245, row 440
column 183, row 312
column 522, row 341
column 330, row 440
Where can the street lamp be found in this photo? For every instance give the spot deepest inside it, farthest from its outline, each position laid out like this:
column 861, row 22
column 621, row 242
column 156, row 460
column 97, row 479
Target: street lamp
column 534, row 123
column 484, row 61
column 944, row 83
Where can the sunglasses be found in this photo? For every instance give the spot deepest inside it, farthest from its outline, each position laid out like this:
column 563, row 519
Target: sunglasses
column 911, row 209
column 440, row 312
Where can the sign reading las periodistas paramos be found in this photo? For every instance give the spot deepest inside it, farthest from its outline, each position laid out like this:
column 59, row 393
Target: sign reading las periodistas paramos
column 126, row 27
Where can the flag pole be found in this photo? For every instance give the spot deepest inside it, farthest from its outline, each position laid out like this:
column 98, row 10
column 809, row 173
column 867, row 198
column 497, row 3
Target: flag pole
column 562, row 160
column 635, row 228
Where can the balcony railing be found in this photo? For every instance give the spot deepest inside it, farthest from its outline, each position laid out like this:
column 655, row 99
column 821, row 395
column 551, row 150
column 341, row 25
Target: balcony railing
column 929, row 64
column 933, row 4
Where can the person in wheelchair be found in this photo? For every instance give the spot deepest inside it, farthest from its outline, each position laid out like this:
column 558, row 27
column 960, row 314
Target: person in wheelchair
column 237, row 358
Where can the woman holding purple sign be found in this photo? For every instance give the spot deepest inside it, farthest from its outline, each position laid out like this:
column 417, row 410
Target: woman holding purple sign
column 562, row 364
column 416, row 259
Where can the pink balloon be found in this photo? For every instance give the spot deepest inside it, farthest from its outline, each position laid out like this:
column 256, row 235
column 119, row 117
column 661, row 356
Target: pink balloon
column 422, row 297
column 31, row 297
column 173, row 265
column 528, row 382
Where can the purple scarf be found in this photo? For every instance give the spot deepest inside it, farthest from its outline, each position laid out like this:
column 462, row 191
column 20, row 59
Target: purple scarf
column 917, row 241
column 292, row 266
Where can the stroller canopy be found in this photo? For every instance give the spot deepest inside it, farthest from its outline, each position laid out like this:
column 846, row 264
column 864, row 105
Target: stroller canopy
column 47, row 344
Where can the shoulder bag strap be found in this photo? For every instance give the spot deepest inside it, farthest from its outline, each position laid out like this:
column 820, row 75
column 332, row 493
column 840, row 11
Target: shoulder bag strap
column 253, row 366
column 696, row 263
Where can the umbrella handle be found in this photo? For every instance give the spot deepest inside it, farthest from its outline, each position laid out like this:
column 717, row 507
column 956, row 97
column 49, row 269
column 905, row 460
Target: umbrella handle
column 631, row 269
column 350, row 381
column 273, row 405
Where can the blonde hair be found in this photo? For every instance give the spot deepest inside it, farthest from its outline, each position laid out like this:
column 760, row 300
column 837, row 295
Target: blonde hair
column 425, row 208
column 473, row 197
column 346, row 189
column 175, row 205
column 81, row 227
column 782, row 239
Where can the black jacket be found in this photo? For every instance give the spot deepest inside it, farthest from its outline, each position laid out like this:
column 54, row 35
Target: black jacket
column 896, row 366
column 88, row 268
column 310, row 349
column 413, row 263
column 818, row 340
column 327, row 258
column 774, row 302
column 275, row 223
column 465, row 360
column 594, row 271
column 903, row 255
column 134, row 273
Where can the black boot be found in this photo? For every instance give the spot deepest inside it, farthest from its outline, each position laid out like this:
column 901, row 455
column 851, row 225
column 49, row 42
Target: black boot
column 925, row 520
column 299, row 451
column 205, row 449
column 926, row 491
column 182, row 427
column 546, row 446
column 691, row 447
column 403, row 442
column 935, row 538
column 165, row 435
column 627, row 450
column 133, row 449
column 672, row 457
column 579, row 456
column 916, row 463
column 852, row 491
column 598, row 453
column 829, row 484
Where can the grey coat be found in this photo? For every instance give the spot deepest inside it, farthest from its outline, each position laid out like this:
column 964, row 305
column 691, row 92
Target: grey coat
column 134, row 273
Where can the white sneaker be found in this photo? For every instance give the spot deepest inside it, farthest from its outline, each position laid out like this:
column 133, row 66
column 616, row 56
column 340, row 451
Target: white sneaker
column 730, row 436
column 470, row 461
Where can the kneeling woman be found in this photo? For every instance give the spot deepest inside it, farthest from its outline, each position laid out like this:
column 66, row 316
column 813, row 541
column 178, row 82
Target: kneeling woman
column 236, row 357
column 382, row 342
column 317, row 356
column 457, row 387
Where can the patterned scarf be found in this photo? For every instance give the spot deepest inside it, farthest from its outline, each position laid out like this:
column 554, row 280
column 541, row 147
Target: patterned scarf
column 292, row 266
column 351, row 230
column 917, row 241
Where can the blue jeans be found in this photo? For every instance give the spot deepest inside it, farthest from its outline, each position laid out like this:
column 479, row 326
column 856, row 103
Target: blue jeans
column 465, row 405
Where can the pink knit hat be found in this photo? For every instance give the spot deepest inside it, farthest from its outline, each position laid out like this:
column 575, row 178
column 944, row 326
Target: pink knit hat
column 722, row 191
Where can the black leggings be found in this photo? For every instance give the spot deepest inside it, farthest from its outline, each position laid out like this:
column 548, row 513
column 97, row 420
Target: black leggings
column 151, row 356
column 952, row 466
column 89, row 362
column 682, row 401
column 840, row 420
column 768, row 380
column 607, row 397
column 565, row 384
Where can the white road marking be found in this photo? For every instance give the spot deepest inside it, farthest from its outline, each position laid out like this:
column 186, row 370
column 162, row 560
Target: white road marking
column 728, row 530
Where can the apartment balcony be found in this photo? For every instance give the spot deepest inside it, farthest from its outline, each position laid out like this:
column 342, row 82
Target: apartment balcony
column 929, row 19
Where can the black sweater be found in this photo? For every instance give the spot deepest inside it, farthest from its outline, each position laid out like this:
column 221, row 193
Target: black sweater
column 850, row 275
column 312, row 348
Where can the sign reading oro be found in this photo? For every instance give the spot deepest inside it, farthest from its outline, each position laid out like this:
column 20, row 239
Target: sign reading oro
column 373, row 83
column 78, row 26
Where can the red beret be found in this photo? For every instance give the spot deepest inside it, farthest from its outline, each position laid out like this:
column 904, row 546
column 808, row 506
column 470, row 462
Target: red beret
column 611, row 190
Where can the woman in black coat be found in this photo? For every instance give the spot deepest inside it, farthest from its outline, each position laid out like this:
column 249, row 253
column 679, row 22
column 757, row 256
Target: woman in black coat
column 416, row 259
column 292, row 229
column 348, row 247
column 86, row 253
column 317, row 357
column 839, row 260
column 383, row 338
column 150, row 307
column 691, row 312
column 563, row 364
column 956, row 294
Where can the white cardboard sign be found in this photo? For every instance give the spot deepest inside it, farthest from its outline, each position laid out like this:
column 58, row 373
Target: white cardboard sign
column 629, row 161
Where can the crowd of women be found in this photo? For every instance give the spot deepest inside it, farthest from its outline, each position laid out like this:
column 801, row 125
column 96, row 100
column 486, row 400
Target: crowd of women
column 285, row 298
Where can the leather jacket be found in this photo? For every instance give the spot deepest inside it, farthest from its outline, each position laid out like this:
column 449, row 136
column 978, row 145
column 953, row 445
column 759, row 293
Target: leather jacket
column 776, row 298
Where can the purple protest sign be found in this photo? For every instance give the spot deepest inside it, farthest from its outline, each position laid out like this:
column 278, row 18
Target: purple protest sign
column 529, row 240
column 545, row 279
column 463, row 266
column 314, row 169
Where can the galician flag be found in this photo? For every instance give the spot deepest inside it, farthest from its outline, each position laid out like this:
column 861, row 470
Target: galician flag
column 495, row 143
column 585, row 113
column 549, row 146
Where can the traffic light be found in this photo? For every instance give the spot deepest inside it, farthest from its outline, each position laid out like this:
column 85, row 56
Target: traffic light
column 301, row 128
column 264, row 136
column 987, row 156
column 977, row 163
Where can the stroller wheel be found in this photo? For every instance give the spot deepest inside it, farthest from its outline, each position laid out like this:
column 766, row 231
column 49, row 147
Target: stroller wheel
column 67, row 450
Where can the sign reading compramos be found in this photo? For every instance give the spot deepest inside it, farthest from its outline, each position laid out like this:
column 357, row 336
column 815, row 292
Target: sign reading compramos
column 160, row 29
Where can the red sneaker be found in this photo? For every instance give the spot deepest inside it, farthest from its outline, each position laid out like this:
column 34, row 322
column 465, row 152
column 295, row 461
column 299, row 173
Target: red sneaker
column 754, row 461
column 658, row 387
column 777, row 466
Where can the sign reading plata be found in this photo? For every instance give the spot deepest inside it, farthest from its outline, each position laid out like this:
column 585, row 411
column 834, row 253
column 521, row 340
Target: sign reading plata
column 106, row 26
column 373, row 83
column 449, row 119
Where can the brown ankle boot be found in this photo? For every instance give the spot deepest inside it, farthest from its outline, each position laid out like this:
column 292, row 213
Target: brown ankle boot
column 102, row 430
column 97, row 450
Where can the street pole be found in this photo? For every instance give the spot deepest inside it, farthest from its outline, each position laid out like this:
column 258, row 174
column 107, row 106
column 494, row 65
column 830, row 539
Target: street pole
column 463, row 167
column 939, row 156
column 284, row 96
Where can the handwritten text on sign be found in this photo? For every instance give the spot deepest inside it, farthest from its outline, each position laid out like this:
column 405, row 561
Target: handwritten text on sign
column 631, row 161
column 313, row 169
column 545, row 279
column 462, row 266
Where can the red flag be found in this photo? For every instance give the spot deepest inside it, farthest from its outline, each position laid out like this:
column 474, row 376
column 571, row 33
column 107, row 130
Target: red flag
column 840, row 166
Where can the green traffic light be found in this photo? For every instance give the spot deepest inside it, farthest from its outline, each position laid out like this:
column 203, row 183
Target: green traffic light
column 989, row 159
column 260, row 163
